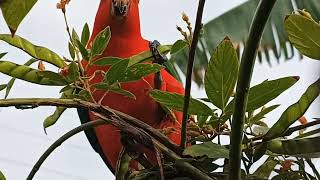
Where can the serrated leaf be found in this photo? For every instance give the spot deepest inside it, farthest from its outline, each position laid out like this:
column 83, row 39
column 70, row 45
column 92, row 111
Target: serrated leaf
column 116, row 72
column 37, row 52
column 261, row 114
column 222, row 73
column 137, row 71
column 14, row 12
column 71, row 51
column 100, row 42
column 74, row 73
column 85, row 34
column 147, row 55
column 208, row 149
column 26, row 73
column 2, row 55
column 293, row 147
column 265, row 170
column 105, row 61
column 294, row 112
column 303, row 33
column 178, row 46
column 175, row 101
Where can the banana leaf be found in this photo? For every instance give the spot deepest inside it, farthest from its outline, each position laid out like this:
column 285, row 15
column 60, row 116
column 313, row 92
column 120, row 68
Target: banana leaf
column 236, row 23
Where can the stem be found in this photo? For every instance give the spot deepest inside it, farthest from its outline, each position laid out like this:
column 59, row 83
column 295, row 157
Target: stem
column 192, row 53
column 61, row 140
column 76, row 103
column 243, row 85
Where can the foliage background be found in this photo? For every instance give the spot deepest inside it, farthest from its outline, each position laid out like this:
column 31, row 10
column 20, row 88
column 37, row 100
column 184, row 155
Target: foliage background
column 21, row 134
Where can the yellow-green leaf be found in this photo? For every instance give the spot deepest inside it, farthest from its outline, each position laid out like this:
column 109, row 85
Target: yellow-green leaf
column 305, row 147
column 303, row 33
column 26, row 73
column 14, row 12
column 2, row 177
column 222, row 73
column 35, row 51
column 294, row 112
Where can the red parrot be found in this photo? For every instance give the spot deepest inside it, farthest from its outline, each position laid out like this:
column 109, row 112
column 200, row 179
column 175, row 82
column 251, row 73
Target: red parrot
column 122, row 16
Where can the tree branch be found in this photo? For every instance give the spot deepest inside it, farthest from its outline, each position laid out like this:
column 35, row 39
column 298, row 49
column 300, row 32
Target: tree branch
column 246, row 68
column 77, row 103
column 192, row 53
column 125, row 125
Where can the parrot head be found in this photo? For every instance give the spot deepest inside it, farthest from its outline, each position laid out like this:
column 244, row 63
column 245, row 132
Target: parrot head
column 120, row 8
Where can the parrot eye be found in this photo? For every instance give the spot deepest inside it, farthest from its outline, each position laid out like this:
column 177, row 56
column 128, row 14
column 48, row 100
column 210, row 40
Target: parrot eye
column 120, row 8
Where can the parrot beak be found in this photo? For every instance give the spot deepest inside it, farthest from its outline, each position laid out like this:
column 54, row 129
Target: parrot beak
column 120, row 8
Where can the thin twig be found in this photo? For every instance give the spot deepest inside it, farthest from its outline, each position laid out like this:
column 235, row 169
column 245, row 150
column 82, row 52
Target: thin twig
column 245, row 74
column 58, row 142
column 192, row 53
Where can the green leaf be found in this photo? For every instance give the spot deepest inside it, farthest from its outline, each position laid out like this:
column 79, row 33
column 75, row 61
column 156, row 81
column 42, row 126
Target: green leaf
column 265, row 170
column 26, row 73
column 2, row 177
column 52, row 119
column 14, row 12
column 71, row 51
column 123, row 92
column 178, row 46
column 105, row 61
column 147, row 55
column 116, row 72
column 85, row 34
column 2, row 55
column 303, row 33
column 11, row 82
column 84, row 52
column 222, row 73
column 208, row 149
column 261, row 114
column 294, row 112
column 75, row 36
column 36, row 52
column 263, row 93
column 175, row 101
column 74, row 73
column 138, row 71
column 100, row 42
column 306, row 147
column 3, row 86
